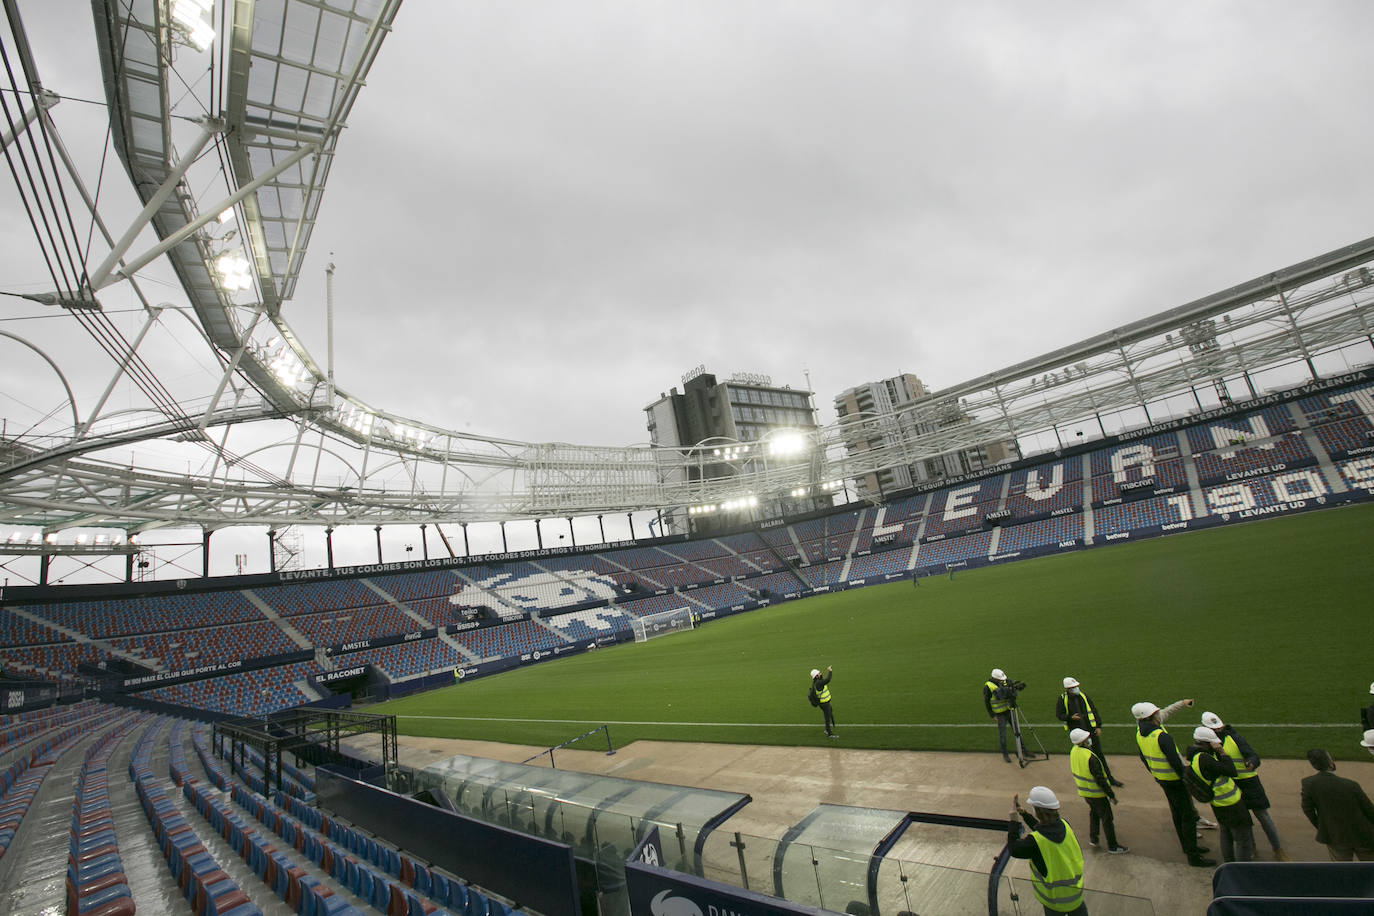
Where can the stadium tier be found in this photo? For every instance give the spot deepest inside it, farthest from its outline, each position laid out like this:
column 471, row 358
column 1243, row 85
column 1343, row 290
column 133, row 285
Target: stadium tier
column 331, row 628
column 407, row 659
column 1305, row 453
column 252, row 693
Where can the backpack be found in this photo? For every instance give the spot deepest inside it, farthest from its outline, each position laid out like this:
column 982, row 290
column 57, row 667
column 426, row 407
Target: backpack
column 1197, row 787
column 811, row 695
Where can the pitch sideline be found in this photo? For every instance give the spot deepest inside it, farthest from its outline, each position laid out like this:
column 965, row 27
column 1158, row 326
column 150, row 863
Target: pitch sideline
column 812, row 724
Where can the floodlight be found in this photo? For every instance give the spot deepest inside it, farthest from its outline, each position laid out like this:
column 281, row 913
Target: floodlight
column 234, row 272
column 787, row 443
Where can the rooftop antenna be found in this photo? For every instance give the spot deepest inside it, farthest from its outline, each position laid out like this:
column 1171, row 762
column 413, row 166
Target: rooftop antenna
column 329, row 312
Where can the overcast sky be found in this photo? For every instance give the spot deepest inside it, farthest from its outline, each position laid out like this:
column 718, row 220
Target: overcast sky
column 543, row 214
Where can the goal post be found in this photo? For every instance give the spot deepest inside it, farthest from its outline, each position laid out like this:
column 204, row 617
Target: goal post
column 662, row 624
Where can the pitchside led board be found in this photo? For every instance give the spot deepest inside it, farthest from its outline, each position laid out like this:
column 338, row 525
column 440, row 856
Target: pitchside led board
column 657, row 891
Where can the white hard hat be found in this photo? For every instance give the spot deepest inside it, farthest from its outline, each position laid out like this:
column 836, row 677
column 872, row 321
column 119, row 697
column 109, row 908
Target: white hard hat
column 1212, row 720
column 1078, row 735
column 815, row 672
column 998, row 674
column 1371, row 688
column 1070, row 682
column 1144, row 709
column 1368, row 739
column 1042, row 797
column 1203, row 733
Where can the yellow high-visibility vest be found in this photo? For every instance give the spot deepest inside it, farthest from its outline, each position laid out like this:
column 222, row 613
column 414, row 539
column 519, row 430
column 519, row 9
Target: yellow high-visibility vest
column 1080, row 759
column 1155, row 761
column 1061, row 887
column 999, row 704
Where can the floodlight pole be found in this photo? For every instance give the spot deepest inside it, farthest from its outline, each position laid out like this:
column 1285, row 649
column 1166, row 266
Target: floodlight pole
column 379, row 544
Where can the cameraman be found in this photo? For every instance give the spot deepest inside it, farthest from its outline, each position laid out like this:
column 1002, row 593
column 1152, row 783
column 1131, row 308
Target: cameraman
column 999, row 697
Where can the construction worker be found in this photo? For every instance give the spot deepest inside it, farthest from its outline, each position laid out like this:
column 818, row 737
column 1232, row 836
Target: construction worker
column 1367, row 713
column 998, row 701
column 1076, row 710
column 1207, row 759
column 1095, row 788
column 820, row 696
column 1367, row 742
column 1160, row 756
column 1252, row 792
column 1056, row 859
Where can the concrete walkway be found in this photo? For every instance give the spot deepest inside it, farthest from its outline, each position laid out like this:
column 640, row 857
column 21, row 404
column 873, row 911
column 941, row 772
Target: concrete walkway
column 786, row 783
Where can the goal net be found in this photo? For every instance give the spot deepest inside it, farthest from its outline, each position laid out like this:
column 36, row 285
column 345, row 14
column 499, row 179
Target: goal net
column 662, row 623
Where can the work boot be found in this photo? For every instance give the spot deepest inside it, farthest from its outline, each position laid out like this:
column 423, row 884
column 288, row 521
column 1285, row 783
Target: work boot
column 1201, row 862
column 1118, row 850
column 1281, row 856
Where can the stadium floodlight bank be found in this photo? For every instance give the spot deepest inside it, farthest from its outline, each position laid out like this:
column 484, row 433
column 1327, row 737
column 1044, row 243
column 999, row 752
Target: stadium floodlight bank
column 662, row 623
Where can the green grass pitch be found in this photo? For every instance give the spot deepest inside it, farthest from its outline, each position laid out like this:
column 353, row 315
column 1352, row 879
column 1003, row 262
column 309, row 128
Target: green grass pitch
column 1267, row 624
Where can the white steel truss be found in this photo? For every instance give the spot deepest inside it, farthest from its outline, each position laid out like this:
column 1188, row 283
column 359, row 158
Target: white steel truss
column 285, row 76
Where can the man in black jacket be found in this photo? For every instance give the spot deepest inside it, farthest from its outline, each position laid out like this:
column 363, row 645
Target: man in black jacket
column 1160, row 756
column 820, row 696
column 1056, row 859
column 1339, row 809
column 1207, row 760
column 1251, row 789
column 1077, row 710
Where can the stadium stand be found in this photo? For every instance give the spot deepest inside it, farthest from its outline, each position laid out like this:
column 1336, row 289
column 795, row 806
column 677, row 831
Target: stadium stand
column 180, row 650
column 1153, row 460
column 1130, row 516
column 251, row 693
column 331, row 628
column 938, row 553
column 653, row 605
column 889, row 561
column 405, row 659
column 126, row 616
column 1232, row 462
column 511, row 639
column 1039, row 533
column 822, row 574
column 727, row 594
column 958, row 509
column 590, row 623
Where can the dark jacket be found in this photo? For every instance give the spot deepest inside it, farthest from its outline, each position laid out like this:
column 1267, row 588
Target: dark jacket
column 1247, row 753
column 1215, row 765
column 1025, row 847
column 820, row 681
column 1166, row 746
column 987, row 698
column 1073, row 711
column 1339, row 809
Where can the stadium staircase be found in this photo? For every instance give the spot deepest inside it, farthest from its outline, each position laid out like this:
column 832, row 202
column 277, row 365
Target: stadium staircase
column 398, row 605
column 295, row 635
column 783, row 562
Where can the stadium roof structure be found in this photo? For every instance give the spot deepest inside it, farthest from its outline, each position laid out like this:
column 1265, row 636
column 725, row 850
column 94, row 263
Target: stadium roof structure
column 231, row 177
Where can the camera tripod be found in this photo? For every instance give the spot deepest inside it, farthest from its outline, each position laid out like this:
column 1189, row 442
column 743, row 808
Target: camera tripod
column 1019, row 729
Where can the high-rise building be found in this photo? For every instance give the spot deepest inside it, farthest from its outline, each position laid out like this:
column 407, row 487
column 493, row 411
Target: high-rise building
column 723, row 422
column 873, row 417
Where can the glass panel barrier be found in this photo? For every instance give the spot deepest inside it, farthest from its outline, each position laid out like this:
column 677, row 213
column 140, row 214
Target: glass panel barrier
column 1017, row 895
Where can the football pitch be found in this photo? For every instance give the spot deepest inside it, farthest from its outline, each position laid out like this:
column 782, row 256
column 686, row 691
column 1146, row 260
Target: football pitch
column 1267, row 624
